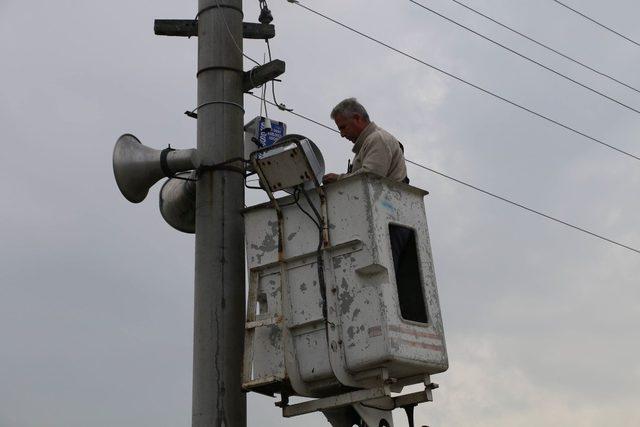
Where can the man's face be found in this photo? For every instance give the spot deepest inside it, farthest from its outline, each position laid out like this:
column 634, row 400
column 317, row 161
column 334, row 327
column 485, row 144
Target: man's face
column 350, row 127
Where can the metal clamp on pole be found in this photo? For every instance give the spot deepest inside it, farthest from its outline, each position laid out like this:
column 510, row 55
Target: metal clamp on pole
column 163, row 162
column 225, row 166
column 194, row 115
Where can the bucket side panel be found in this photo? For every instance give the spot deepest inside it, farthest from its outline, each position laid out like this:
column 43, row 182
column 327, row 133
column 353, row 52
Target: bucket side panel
column 267, row 346
column 306, row 321
column 415, row 346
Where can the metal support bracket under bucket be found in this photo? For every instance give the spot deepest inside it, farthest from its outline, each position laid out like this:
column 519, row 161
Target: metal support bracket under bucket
column 378, row 398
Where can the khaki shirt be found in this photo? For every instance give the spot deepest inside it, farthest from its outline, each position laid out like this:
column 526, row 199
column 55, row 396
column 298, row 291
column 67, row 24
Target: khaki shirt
column 379, row 152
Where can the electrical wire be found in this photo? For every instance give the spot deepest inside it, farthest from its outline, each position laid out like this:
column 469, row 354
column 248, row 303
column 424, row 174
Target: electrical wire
column 504, row 199
column 281, row 106
column 264, row 95
column 266, row 18
column 204, row 104
column 526, row 58
column 233, row 39
column 494, row 195
column 314, row 209
column 262, row 103
column 296, row 198
column 182, row 178
column 473, row 85
column 597, row 23
column 296, row 114
column 319, row 257
column 549, row 48
column 247, row 181
column 307, row 213
column 268, row 48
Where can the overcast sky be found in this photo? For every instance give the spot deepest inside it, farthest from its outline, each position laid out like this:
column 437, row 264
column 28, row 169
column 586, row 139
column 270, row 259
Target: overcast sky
column 96, row 294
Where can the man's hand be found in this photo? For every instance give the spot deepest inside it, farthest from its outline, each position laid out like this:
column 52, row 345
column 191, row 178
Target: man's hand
column 329, row 178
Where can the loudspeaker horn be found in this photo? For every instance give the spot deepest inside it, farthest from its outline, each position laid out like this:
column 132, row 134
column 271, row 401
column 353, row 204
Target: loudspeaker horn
column 137, row 167
column 178, row 202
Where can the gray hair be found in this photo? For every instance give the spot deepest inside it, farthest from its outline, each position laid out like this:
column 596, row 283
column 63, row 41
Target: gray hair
column 348, row 108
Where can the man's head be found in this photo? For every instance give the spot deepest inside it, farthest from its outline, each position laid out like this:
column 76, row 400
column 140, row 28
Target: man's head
column 351, row 118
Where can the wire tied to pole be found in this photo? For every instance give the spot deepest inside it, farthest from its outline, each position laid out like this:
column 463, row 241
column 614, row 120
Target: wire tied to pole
column 194, row 115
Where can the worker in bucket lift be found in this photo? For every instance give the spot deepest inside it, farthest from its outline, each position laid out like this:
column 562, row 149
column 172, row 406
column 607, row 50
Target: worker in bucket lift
column 376, row 150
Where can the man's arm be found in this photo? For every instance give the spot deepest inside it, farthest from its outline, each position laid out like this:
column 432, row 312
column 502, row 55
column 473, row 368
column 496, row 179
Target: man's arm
column 376, row 158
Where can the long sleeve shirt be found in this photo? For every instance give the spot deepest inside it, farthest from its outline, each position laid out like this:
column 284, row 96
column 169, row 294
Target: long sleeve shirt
column 379, row 152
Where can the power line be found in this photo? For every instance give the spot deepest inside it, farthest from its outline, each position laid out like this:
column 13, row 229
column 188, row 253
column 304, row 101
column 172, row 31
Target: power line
column 531, row 39
column 475, row 86
column 485, row 192
column 289, row 110
column 533, row 61
column 504, row 199
column 597, row 23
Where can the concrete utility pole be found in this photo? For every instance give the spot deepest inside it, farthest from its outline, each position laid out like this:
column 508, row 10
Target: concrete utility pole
column 219, row 317
column 219, row 254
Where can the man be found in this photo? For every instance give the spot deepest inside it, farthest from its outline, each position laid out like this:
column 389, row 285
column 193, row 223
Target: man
column 376, row 150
